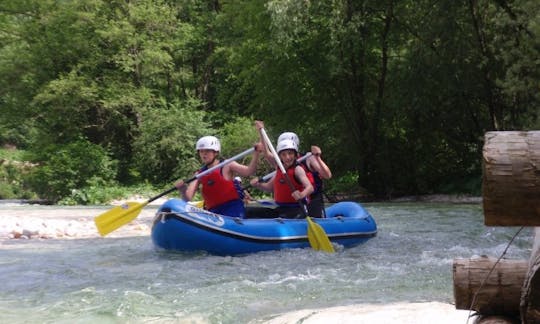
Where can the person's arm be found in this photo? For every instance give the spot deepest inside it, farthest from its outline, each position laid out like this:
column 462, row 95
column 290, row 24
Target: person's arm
column 264, row 186
column 316, row 163
column 300, row 174
column 259, row 124
column 187, row 191
column 245, row 170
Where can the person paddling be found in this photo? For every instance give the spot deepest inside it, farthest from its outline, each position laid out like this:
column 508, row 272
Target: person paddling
column 313, row 165
column 220, row 193
column 289, row 203
column 319, row 169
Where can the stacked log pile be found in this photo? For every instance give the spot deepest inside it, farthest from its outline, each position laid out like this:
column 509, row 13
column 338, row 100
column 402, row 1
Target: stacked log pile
column 507, row 291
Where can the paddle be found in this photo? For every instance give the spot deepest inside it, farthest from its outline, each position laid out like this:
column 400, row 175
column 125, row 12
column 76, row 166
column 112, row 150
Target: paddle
column 316, row 236
column 121, row 215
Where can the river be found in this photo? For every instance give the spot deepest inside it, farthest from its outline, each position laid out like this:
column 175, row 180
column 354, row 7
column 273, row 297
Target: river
column 77, row 276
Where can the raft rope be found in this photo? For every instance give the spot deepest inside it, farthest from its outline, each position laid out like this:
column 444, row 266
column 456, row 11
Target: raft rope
column 489, row 273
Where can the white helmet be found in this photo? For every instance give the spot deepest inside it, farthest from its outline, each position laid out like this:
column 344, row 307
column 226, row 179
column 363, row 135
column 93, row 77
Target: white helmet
column 287, row 144
column 208, row 143
column 289, row 135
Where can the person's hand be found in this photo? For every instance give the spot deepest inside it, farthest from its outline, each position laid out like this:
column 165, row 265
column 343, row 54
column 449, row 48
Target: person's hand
column 259, row 147
column 181, row 185
column 297, row 195
column 259, row 124
column 254, row 182
column 315, row 150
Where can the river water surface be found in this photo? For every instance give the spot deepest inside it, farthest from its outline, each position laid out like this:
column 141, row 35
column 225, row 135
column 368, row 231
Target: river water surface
column 123, row 278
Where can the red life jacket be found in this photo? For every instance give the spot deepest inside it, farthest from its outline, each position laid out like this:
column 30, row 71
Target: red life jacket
column 282, row 191
column 217, row 190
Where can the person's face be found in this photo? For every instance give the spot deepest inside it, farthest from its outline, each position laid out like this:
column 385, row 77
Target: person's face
column 207, row 156
column 287, row 157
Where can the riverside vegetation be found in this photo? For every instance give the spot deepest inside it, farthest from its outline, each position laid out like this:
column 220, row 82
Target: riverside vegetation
column 14, row 171
column 398, row 94
column 16, row 177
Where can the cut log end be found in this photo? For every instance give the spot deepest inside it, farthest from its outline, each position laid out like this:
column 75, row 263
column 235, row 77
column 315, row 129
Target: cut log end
column 496, row 294
column 511, row 178
column 497, row 320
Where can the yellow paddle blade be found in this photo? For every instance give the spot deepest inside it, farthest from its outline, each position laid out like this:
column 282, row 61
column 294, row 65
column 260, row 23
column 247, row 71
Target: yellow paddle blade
column 118, row 216
column 317, row 237
column 199, row 204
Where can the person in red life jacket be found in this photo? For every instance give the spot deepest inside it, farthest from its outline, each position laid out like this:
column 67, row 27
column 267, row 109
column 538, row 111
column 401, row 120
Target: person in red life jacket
column 290, row 202
column 319, row 170
column 220, row 192
column 314, row 166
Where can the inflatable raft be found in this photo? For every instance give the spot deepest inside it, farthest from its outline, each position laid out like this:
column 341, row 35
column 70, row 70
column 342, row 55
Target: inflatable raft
column 181, row 226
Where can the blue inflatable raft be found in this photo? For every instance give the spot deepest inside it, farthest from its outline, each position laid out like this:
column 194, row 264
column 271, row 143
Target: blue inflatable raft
column 180, row 226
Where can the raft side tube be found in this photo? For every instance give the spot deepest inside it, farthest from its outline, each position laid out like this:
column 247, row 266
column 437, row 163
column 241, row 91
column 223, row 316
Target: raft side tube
column 347, row 209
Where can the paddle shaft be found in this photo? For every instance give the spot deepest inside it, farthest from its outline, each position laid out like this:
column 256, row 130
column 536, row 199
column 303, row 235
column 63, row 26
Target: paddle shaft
column 207, row 171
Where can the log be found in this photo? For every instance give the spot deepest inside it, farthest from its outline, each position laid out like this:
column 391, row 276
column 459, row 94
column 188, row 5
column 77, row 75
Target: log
column 500, row 292
column 497, row 320
column 511, row 178
column 530, row 296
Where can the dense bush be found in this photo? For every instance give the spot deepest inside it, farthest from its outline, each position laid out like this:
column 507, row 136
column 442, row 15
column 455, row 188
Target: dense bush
column 239, row 135
column 165, row 147
column 98, row 194
column 66, row 168
column 399, row 107
column 11, row 181
column 13, row 168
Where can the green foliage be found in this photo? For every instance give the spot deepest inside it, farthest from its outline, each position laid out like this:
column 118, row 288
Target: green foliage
column 98, row 194
column 365, row 80
column 12, row 186
column 238, row 135
column 95, row 192
column 345, row 183
column 515, row 45
column 13, row 154
column 65, row 168
column 471, row 185
column 16, row 134
column 13, row 169
column 164, row 150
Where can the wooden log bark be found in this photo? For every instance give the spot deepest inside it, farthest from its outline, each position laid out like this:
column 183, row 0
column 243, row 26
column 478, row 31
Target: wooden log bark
column 497, row 320
column 511, row 178
column 530, row 294
column 499, row 294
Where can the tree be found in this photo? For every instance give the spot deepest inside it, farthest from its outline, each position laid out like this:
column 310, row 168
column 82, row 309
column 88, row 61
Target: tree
column 381, row 86
column 380, row 80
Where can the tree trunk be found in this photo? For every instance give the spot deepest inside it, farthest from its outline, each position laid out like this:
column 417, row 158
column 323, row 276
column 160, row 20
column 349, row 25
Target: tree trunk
column 499, row 294
column 511, row 181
